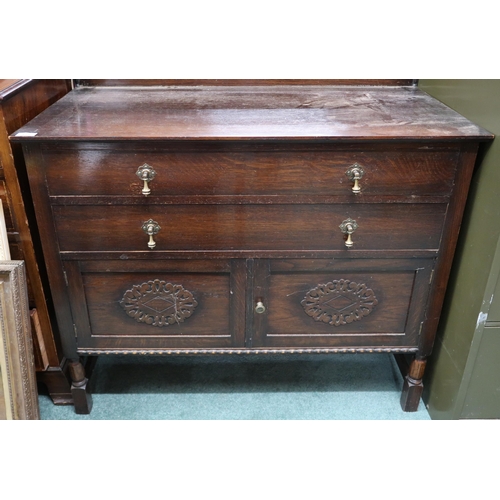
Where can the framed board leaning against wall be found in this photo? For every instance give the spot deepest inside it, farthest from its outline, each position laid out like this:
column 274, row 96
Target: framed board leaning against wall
column 18, row 394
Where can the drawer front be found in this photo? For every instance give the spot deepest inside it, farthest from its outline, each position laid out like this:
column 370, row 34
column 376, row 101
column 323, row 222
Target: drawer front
column 193, row 304
column 340, row 303
column 249, row 227
column 216, row 171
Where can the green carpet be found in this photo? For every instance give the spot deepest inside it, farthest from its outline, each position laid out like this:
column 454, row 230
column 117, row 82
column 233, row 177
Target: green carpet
column 306, row 387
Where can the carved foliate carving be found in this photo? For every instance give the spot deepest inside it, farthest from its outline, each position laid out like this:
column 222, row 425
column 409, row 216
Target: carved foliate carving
column 158, row 303
column 339, row 302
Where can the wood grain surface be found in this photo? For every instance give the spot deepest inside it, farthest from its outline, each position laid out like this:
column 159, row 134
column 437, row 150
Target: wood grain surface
column 267, row 112
column 229, row 169
column 304, row 227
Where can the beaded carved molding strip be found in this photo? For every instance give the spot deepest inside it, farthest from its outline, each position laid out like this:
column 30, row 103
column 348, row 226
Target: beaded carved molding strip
column 189, row 352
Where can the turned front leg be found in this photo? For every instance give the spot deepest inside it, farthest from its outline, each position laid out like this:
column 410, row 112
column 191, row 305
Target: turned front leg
column 81, row 397
column 413, row 386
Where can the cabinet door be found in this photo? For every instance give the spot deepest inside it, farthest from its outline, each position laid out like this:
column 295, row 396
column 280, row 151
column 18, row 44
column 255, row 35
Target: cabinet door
column 358, row 303
column 157, row 305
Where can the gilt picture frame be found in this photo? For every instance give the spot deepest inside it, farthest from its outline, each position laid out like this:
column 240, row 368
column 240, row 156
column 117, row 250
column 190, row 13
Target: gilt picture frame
column 18, row 392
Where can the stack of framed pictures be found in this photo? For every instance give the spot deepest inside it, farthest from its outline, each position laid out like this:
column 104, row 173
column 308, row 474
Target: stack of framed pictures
column 18, row 392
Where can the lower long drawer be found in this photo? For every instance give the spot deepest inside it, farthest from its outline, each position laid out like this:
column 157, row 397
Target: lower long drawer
column 249, row 227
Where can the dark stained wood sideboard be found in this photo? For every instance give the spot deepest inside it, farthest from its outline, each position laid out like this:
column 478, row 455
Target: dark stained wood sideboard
column 249, row 219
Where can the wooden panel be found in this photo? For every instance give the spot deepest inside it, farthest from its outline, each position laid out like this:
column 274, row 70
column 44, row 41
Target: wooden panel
column 4, row 197
column 250, row 227
column 39, row 351
column 28, row 99
column 144, row 307
column 229, row 171
column 342, row 303
column 52, row 263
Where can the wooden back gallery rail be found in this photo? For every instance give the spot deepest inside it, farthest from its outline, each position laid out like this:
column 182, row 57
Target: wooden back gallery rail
column 211, row 218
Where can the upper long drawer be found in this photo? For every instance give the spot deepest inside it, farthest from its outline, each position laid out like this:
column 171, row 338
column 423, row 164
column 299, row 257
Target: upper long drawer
column 229, row 170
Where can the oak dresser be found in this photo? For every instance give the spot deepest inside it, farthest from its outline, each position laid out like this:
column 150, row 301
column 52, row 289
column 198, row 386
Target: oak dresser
column 249, row 219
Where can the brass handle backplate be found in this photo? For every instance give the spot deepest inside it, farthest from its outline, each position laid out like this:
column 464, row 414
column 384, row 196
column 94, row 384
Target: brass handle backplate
column 348, row 227
column 146, row 173
column 151, row 227
column 355, row 173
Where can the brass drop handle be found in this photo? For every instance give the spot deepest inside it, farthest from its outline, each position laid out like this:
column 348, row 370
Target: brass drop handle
column 355, row 173
column 348, row 227
column 151, row 227
column 146, row 173
column 260, row 307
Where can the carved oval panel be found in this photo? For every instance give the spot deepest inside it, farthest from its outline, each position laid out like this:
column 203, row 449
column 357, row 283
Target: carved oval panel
column 158, row 303
column 339, row 302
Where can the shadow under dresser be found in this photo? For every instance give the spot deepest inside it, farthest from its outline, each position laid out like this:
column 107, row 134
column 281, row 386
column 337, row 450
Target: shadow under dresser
column 249, row 219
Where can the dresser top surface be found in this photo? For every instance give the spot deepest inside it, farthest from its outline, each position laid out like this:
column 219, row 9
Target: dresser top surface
column 249, row 113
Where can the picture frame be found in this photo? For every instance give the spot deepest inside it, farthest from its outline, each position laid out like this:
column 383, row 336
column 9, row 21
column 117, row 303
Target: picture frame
column 18, row 391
